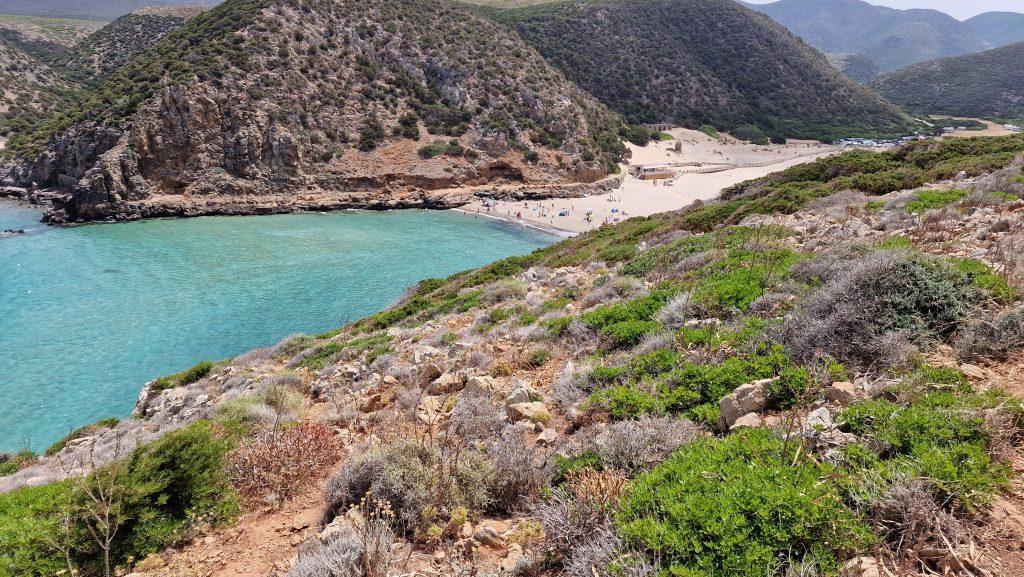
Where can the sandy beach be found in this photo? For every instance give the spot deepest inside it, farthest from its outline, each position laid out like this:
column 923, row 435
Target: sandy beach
column 704, row 167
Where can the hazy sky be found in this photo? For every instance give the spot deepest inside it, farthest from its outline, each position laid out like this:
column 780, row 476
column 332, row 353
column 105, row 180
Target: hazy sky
column 959, row 8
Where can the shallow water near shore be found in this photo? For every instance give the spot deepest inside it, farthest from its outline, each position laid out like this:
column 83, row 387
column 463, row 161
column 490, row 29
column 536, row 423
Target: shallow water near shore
column 89, row 314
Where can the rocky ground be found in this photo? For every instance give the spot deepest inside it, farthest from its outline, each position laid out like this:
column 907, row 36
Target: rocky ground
column 505, row 368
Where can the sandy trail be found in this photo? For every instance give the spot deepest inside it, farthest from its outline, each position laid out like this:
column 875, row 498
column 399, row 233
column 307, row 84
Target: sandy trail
column 645, row 197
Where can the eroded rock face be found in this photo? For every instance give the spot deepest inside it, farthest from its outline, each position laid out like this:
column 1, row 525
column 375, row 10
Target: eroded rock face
column 322, row 121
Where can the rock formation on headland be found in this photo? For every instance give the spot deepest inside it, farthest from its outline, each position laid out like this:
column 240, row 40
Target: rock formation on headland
column 260, row 106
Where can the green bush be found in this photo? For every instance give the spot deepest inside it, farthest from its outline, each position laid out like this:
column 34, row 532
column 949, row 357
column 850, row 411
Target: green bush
column 557, row 326
column 371, row 134
column 941, row 436
column 628, row 333
column 173, row 483
column 750, row 133
column 625, row 324
column 709, row 130
column 933, row 199
column 186, row 377
column 537, row 358
column 748, row 505
column 29, row 522
column 986, row 279
column 567, row 465
column 166, row 486
column 321, row 356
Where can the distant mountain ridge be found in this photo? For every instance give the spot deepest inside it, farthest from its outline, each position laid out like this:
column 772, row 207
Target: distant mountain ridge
column 987, row 84
column 998, row 28
column 888, row 37
column 697, row 62
column 92, row 9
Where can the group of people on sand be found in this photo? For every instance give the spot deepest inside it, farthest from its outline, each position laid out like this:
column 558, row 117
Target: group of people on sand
column 538, row 211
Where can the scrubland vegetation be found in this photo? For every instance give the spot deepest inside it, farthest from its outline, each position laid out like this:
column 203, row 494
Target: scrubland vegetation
column 978, row 85
column 672, row 61
column 713, row 392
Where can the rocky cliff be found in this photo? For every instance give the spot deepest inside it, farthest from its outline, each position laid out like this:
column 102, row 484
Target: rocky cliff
column 257, row 106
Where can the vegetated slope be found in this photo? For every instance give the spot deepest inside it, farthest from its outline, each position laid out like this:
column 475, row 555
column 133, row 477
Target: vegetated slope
column 91, row 9
column 28, row 89
column 111, row 47
column 989, row 84
column 701, row 62
column 45, row 38
column 793, row 392
column 888, row 37
column 349, row 103
column 998, row 28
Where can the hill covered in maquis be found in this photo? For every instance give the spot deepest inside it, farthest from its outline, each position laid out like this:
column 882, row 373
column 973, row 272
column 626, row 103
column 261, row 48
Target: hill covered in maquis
column 887, row 37
column 989, row 84
column 697, row 62
column 262, row 99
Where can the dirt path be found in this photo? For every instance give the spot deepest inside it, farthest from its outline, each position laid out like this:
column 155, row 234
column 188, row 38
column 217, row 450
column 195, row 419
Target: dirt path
column 259, row 544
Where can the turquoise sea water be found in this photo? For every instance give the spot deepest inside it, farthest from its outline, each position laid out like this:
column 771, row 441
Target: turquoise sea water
column 89, row 314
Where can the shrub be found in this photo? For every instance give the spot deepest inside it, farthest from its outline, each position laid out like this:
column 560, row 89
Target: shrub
column 691, row 385
column 519, row 473
column 709, row 130
column 986, row 279
column 393, row 474
column 30, row 521
column 475, row 417
column 420, row 485
column 186, row 377
column 359, row 549
column 940, row 436
column 159, row 491
column 750, row 134
column 934, row 199
column 172, row 483
column 277, row 464
column 994, row 336
column 371, row 134
column 244, row 413
column 558, row 325
column 318, row 358
column 868, row 305
column 676, row 312
column 741, row 506
column 537, row 358
column 635, row 445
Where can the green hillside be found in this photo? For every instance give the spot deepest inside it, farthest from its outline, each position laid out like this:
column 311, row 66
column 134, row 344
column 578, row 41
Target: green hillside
column 989, row 84
column 697, row 62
